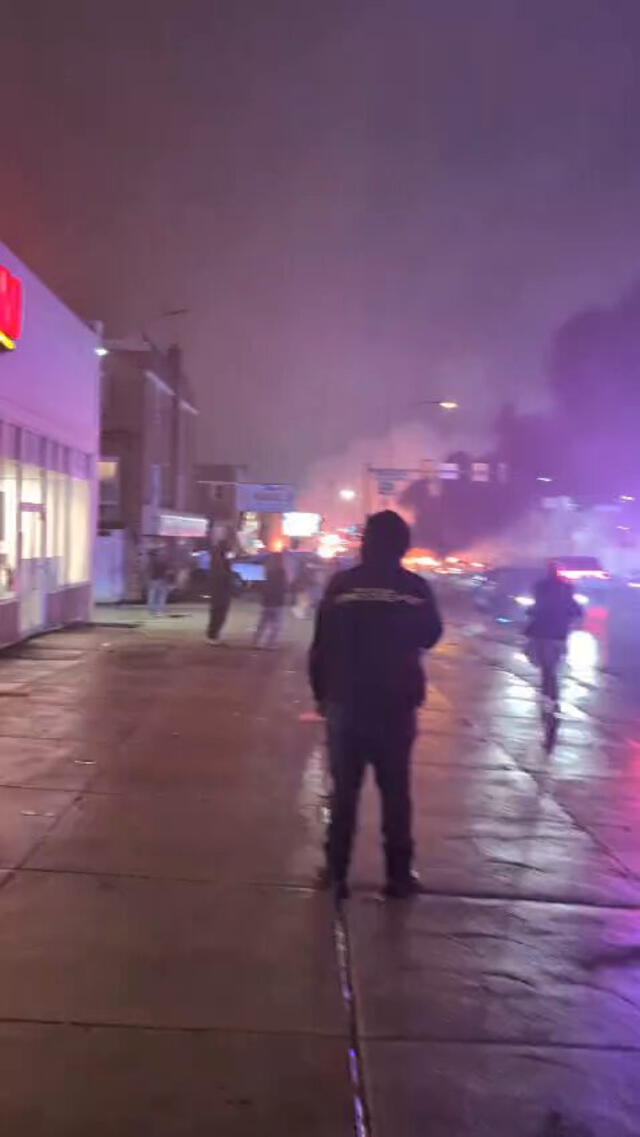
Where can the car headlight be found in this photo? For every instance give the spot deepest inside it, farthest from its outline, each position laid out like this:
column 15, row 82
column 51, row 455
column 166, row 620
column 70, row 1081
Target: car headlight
column 524, row 601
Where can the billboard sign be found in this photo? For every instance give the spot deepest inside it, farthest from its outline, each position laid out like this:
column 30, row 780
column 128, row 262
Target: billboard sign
column 171, row 524
column 390, row 482
column 449, row 471
column 253, row 497
column 394, row 475
column 480, row 472
column 386, row 488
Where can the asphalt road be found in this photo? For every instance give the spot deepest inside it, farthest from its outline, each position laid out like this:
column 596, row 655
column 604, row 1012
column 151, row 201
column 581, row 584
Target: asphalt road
column 166, row 966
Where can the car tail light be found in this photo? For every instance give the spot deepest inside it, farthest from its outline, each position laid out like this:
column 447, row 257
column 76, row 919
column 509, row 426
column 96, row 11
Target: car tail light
column 583, row 574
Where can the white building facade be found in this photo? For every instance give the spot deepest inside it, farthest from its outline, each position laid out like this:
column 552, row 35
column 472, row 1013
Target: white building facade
column 49, row 432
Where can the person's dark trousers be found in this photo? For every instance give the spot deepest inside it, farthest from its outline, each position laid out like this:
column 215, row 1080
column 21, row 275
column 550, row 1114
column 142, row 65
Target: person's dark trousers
column 384, row 739
column 218, row 612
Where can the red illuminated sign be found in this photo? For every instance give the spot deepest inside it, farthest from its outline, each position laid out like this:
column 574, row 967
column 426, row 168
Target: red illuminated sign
column 10, row 309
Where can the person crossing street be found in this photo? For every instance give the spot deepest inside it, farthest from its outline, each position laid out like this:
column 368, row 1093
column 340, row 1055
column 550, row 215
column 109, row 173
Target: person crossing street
column 273, row 600
column 158, row 581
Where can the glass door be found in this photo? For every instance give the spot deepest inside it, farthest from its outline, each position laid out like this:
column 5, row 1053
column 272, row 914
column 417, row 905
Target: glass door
column 32, row 571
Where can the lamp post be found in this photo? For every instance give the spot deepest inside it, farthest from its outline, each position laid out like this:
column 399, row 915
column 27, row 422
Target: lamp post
column 444, row 404
column 348, row 497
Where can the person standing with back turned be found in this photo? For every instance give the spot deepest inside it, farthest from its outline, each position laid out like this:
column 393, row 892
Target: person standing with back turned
column 372, row 626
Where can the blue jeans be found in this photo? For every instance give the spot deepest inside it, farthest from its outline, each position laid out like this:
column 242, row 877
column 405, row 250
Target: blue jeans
column 157, row 592
column 269, row 626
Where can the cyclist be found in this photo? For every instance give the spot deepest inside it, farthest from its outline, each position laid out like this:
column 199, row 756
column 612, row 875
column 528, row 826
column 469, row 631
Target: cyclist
column 553, row 613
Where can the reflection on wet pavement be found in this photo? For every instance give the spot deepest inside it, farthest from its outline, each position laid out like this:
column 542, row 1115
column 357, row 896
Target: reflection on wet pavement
column 529, row 932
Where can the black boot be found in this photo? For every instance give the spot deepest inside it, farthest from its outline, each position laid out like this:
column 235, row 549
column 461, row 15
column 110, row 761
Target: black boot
column 325, row 880
column 401, row 887
column 401, row 880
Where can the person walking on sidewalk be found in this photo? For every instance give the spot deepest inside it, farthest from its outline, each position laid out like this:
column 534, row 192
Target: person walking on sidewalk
column 373, row 624
column 274, row 598
column 158, row 582
column 220, row 590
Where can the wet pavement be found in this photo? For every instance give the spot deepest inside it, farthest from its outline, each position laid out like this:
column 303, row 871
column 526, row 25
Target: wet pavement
column 167, row 967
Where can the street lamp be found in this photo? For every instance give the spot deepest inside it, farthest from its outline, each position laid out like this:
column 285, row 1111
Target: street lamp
column 444, row 404
column 347, row 495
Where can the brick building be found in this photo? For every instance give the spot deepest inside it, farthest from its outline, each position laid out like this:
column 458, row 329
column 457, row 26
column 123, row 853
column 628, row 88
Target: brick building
column 147, row 445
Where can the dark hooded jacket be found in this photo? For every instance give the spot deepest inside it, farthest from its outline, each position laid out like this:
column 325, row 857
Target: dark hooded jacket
column 372, row 626
column 220, row 575
column 554, row 611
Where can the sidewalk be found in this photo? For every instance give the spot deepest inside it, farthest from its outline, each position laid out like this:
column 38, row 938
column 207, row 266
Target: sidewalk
column 167, row 968
column 190, row 619
column 162, row 968
column 137, row 615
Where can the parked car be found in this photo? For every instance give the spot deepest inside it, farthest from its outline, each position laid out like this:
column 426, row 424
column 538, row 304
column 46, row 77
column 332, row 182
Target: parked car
column 248, row 572
column 583, row 570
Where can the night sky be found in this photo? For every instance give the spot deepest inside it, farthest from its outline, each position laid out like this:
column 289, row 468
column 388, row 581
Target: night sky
column 362, row 203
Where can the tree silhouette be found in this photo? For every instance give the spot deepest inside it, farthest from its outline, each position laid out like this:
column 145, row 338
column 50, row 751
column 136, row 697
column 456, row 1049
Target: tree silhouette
column 595, row 380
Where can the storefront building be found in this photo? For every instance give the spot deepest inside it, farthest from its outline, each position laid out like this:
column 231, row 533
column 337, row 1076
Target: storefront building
column 145, row 469
column 49, row 429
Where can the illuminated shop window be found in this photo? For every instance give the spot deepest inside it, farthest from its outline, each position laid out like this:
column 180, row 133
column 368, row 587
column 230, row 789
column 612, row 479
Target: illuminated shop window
column 109, row 484
column 8, row 526
column 31, row 513
column 55, row 526
column 79, row 529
